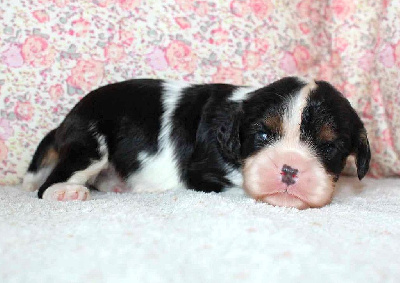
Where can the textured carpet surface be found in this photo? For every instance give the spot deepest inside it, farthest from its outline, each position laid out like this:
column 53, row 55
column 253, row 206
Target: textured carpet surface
column 185, row 236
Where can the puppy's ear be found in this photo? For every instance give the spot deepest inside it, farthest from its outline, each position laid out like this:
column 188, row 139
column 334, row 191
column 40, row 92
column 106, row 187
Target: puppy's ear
column 362, row 152
column 227, row 134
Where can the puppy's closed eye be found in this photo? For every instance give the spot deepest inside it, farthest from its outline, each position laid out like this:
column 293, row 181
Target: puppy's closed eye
column 330, row 149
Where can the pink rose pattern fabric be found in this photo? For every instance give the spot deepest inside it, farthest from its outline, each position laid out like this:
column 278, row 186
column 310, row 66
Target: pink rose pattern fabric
column 52, row 52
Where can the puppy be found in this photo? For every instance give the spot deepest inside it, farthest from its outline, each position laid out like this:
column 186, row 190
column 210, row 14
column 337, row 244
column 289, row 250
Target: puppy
column 285, row 143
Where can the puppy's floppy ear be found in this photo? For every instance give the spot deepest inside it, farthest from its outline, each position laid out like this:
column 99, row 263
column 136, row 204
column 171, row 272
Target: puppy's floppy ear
column 228, row 129
column 362, row 152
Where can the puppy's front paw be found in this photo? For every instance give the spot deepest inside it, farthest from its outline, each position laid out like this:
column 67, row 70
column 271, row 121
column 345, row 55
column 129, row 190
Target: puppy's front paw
column 66, row 192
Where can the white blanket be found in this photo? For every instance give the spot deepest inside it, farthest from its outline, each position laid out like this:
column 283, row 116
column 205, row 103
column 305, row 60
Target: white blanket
column 186, row 236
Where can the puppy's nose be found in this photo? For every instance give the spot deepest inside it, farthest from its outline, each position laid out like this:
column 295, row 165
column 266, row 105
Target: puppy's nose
column 289, row 174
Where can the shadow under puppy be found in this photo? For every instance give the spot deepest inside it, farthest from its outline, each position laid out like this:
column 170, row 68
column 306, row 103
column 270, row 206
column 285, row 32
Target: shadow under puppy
column 285, row 143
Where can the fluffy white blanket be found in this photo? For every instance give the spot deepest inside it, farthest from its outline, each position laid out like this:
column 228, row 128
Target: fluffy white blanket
column 186, row 236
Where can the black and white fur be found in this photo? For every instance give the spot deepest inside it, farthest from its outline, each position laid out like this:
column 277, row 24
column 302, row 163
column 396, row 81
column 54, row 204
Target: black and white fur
column 157, row 135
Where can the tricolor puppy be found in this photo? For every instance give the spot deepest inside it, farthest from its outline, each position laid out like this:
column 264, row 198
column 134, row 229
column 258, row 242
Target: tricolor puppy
column 285, row 143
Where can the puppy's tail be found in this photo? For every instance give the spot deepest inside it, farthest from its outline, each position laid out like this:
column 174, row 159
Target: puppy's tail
column 43, row 162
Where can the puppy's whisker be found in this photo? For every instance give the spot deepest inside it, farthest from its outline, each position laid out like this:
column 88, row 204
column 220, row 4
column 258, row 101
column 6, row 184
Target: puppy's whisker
column 272, row 161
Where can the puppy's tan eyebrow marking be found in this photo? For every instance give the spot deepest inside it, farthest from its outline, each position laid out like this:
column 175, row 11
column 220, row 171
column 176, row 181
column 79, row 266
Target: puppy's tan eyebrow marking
column 274, row 123
column 327, row 133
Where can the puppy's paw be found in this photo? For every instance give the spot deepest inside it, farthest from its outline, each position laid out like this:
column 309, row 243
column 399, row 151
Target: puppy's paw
column 109, row 181
column 66, row 192
column 30, row 183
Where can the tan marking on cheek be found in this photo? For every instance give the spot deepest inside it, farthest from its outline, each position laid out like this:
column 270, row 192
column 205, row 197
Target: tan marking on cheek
column 274, row 123
column 50, row 158
column 327, row 133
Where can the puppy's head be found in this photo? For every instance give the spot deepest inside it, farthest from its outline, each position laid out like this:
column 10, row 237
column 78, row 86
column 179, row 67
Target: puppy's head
column 295, row 137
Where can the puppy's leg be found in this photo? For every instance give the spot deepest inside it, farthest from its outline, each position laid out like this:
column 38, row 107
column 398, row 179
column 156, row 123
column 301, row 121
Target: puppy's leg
column 43, row 162
column 78, row 163
column 109, row 180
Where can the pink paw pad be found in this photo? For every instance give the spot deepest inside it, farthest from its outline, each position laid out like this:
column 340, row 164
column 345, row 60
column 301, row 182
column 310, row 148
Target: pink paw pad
column 60, row 196
column 120, row 188
column 66, row 192
column 117, row 189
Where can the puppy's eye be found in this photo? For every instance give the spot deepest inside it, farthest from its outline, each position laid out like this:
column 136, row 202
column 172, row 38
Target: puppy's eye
column 263, row 136
column 330, row 149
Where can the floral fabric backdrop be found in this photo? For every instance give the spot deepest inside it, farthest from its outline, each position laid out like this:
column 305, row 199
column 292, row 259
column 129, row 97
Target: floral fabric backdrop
column 52, row 52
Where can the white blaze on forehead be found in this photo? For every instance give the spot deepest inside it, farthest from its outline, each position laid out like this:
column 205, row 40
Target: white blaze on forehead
column 294, row 111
